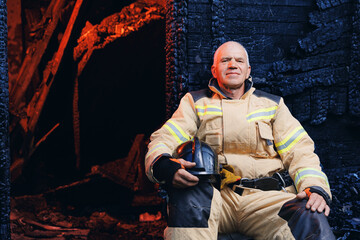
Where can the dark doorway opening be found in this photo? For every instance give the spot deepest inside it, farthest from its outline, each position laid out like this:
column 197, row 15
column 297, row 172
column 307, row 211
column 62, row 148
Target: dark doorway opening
column 121, row 94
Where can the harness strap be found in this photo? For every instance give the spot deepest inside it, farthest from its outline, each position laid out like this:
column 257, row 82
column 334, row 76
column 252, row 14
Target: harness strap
column 277, row 182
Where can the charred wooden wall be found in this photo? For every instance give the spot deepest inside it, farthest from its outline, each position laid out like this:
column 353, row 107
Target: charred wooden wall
column 306, row 51
column 4, row 129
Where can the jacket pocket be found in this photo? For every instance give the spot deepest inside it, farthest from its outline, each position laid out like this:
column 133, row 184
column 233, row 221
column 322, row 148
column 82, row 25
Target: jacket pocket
column 265, row 140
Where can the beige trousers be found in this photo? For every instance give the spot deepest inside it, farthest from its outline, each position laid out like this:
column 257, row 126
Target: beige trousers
column 254, row 214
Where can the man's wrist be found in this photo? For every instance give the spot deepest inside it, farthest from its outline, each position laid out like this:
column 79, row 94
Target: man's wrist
column 165, row 168
column 320, row 191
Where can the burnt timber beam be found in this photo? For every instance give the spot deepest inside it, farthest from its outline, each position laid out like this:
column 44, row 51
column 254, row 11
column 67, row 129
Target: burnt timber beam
column 37, row 102
column 34, row 54
column 177, row 77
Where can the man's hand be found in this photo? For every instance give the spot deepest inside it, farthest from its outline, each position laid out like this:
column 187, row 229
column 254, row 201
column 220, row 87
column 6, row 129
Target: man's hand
column 183, row 178
column 316, row 202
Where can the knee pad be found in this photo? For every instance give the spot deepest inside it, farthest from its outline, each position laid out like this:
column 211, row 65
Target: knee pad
column 190, row 207
column 303, row 223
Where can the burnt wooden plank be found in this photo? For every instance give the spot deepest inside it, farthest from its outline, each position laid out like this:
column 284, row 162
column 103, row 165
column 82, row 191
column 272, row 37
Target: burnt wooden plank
column 323, row 35
column 313, row 62
column 338, row 96
column 300, row 3
column 324, row 4
column 260, row 71
column 205, row 2
column 197, row 40
column 199, row 24
column 342, row 43
column 319, row 18
column 296, row 83
column 299, row 105
column 195, row 7
column 354, row 69
column 266, row 28
column 319, row 105
column 267, row 13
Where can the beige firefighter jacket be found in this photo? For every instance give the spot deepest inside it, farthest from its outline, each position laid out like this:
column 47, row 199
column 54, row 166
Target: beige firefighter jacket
column 256, row 134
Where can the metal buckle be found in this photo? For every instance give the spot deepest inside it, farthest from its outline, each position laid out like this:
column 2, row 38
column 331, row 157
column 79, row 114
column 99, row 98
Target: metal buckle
column 238, row 185
column 241, row 180
column 282, row 182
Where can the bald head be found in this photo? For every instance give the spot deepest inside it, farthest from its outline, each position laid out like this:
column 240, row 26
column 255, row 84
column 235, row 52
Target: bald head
column 230, row 44
column 231, row 68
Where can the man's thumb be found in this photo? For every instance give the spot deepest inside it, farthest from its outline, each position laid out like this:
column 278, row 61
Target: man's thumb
column 301, row 195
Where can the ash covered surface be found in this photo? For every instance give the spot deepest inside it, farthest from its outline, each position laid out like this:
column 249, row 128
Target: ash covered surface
column 344, row 217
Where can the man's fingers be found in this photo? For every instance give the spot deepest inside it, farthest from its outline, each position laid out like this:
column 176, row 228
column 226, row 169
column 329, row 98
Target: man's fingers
column 327, row 210
column 188, row 176
column 187, row 164
column 315, row 206
column 310, row 202
column 321, row 207
column 183, row 178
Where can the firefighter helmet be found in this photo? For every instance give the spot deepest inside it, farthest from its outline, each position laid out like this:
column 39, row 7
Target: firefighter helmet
column 200, row 153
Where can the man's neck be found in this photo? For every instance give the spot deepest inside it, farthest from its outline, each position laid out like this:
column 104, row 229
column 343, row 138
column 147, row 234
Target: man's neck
column 233, row 93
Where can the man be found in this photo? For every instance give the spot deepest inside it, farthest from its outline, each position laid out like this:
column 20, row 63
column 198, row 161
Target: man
column 254, row 133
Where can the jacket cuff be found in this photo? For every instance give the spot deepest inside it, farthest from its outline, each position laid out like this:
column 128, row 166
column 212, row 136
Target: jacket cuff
column 321, row 191
column 165, row 167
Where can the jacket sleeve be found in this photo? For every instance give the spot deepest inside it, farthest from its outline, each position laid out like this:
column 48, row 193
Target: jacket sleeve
column 181, row 127
column 296, row 150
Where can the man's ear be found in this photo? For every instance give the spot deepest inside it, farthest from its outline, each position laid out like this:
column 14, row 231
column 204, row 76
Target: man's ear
column 249, row 72
column 213, row 71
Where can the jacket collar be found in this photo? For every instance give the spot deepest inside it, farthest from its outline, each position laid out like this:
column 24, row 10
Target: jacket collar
column 214, row 86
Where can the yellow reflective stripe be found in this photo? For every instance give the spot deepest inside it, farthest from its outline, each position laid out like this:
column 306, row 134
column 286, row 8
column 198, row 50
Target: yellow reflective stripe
column 176, row 131
column 209, row 110
column 263, row 110
column 292, row 144
column 261, row 117
column 288, row 136
column 210, row 113
column 208, row 106
column 310, row 172
column 290, row 140
column 156, row 147
column 264, row 113
column 173, row 133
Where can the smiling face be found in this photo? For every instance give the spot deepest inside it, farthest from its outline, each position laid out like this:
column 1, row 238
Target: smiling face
column 231, row 67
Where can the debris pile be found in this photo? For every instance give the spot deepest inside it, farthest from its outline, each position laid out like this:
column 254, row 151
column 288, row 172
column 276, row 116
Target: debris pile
column 33, row 217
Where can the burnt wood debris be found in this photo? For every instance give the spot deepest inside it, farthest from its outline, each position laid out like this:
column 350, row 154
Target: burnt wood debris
column 74, row 136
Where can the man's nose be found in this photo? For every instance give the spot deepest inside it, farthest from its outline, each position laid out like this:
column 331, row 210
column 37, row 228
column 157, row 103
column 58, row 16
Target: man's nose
column 232, row 64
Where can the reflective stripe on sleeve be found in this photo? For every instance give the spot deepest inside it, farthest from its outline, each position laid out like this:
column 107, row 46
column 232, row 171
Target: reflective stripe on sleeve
column 310, row 172
column 176, row 131
column 209, row 110
column 154, row 148
column 290, row 140
column 264, row 113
